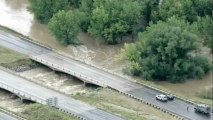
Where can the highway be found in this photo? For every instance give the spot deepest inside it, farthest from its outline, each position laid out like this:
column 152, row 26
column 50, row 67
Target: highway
column 4, row 116
column 97, row 76
column 31, row 91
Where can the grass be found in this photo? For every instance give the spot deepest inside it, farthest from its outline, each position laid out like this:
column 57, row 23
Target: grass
column 125, row 114
column 116, row 103
column 206, row 93
column 110, row 105
column 15, row 61
column 21, row 65
column 42, row 112
column 12, row 59
column 8, row 56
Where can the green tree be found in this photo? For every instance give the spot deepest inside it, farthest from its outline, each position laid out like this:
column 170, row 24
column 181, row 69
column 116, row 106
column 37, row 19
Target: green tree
column 111, row 19
column 205, row 27
column 65, row 26
column 167, row 51
column 45, row 9
column 86, row 9
column 180, row 8
column 150, row 10
column 75, row 3
column 203, row 7
column 155, row 10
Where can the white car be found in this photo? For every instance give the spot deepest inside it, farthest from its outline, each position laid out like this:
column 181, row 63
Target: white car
column 161, row 97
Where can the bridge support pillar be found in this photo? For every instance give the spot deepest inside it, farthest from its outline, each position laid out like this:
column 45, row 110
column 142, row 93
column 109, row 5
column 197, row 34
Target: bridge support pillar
column 85, row 84
column 22, row 100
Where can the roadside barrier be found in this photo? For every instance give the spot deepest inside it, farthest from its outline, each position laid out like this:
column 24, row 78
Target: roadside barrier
column 12, row 114
column 33, row 98
column 154, row 106
column 93, row 81
column 103, row 85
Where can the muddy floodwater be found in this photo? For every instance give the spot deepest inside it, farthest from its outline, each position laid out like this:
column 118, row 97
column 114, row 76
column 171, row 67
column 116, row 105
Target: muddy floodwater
column 15, row 15
column 11, row 102
column 60, row 81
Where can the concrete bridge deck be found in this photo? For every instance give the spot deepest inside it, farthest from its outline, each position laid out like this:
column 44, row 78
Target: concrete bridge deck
column 40, row 94
column 97, row 76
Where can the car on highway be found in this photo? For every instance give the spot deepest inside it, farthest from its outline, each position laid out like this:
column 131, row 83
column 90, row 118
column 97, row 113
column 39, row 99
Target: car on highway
column 170, row 97
column 161, row 97
column 203, row 109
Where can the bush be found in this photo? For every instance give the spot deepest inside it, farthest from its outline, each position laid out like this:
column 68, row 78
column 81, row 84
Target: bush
column 111, row 19
column 45, row 9
column 167, row 51
column 65, row 27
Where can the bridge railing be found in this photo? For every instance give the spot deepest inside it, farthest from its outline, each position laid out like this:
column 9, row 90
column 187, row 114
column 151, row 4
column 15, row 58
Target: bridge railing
column 59, row 68
column 22, row 94
column 37, row 99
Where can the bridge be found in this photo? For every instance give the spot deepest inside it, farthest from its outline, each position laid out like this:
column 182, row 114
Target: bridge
column 28, row 90
column 91, row 74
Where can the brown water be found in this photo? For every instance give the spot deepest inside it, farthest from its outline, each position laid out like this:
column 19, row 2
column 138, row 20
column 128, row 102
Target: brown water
column 14, row 14
column 61, row 82
column 10, row 103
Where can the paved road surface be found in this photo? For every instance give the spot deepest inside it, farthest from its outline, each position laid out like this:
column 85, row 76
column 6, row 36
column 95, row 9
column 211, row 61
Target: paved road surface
column 71, row 66
column 4, row 116
column 35, row 91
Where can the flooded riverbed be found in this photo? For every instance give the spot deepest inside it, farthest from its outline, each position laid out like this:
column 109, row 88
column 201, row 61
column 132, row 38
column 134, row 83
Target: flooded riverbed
column 15, row 15
column 14, row 104
column 60, row 81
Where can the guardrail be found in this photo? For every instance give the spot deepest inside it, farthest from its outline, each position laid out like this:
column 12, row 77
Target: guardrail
column 78, row 75
column 42, row 101
column 36, row 99
column 24, row 37
column 175, row 115
column 96, row 82
column 12, row 114
column 22, row 94
column 101, row 68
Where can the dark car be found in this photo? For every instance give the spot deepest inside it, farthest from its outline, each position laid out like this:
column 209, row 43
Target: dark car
column 204, row 109
column 170, row 97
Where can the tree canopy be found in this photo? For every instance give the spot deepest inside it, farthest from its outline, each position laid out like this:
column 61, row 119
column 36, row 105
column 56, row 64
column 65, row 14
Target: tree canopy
column 86, row 8
column 171, row 31
column 65, row 26
column 155, row 10
column 111, row 19
column 205, row 27
column 45, row 9
column 75, row 3
column 167, row 51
